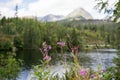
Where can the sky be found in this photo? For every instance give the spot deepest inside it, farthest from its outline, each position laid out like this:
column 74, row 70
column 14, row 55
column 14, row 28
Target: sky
column 41, row 8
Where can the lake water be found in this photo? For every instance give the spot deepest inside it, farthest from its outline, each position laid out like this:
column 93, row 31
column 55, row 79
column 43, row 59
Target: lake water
column 102, row 57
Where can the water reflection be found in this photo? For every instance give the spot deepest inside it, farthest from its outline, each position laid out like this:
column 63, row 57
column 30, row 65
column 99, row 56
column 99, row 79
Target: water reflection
column 88, row 59
column 98, row 57
column 103, row 58
column 29, row 57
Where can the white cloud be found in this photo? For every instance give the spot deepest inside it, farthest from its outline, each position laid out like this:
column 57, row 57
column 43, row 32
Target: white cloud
column 8, row 8
column 11, row 3
column 23, row 12
column 44, row 7
column 7, row 12
column 63, row 7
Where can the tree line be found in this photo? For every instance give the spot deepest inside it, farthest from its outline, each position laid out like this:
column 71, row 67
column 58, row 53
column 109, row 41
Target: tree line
column 24, row 33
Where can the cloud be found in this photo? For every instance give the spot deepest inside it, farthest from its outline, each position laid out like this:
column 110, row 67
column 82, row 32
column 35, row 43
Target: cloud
column 7, row 12
column 23, row 12
column 62, row 7
column 44, row 7
column 10, row 3
column 56, row 6
column 7, row 8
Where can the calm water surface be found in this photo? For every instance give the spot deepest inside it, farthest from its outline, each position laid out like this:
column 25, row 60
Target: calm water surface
column 102, row 57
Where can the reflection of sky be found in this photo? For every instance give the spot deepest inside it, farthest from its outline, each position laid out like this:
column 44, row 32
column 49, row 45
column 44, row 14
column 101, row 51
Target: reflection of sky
column 4, row 0
column 103, row 57
column 44, row 7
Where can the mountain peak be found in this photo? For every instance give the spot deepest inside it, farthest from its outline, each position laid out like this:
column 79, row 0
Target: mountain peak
column 79, row 9
column 79, row 12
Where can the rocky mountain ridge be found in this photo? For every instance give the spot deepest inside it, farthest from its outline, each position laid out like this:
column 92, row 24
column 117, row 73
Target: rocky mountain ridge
column 77, row 14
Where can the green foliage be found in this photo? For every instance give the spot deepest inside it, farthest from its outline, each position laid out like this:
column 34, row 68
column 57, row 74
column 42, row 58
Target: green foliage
column 6, row 45
column 75, row 72
column 115, row 11
column 117, row 68
column 108, row 8
column 3, row 20
column 41, row 73
column 18, row 42
column 30, row 33
column 114, row 72
column 9, row 66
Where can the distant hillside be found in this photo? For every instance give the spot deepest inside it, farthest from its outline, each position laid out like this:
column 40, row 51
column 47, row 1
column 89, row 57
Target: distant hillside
column 96, row 22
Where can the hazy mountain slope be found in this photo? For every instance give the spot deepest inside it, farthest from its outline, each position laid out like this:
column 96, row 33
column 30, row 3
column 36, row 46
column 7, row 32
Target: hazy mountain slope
column 79, row 12
column 51, row 17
